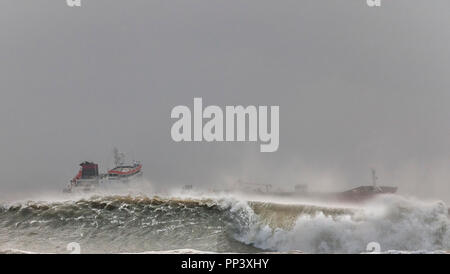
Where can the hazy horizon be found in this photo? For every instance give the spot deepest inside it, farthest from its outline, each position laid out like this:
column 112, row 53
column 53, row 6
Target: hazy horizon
column 358, row 88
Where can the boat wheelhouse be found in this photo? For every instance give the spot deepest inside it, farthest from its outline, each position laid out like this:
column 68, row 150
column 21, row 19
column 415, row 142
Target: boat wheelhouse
column 86, row 178
column 125, row 171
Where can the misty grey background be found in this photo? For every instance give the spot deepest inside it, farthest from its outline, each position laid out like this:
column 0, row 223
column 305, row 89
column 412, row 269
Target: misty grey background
column 357, row 87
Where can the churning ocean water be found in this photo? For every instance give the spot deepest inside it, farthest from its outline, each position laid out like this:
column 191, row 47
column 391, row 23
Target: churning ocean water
column 139, row 223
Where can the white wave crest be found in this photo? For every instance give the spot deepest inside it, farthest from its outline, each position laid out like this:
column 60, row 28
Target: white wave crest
column 395, row 223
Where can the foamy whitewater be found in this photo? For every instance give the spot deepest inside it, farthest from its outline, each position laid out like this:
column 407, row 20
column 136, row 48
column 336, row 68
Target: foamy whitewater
column 136, row 223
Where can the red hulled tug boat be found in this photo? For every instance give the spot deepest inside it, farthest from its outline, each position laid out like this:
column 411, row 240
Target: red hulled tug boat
column 88, row 177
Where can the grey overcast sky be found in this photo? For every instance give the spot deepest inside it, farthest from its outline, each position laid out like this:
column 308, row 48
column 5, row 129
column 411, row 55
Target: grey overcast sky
column 357, row 87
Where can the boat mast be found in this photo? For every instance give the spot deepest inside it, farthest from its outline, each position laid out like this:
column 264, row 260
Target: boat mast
column 118, row 157
column 374, row 178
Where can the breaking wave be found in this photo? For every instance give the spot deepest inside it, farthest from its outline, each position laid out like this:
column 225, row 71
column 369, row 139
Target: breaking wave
column 134, row 224
column 395, row 223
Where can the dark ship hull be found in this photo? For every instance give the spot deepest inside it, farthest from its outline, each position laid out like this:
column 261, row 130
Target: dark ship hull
column 355, row 195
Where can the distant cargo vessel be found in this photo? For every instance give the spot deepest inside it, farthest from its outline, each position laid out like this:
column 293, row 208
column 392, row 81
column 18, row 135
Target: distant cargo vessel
column 355, row 195
column 88, row 177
